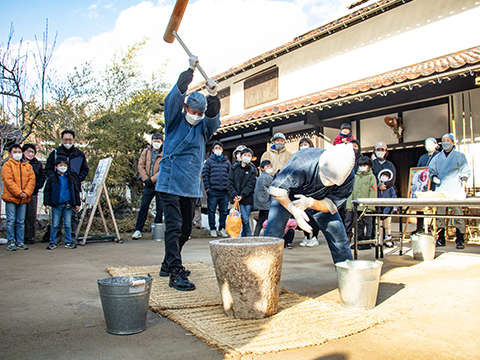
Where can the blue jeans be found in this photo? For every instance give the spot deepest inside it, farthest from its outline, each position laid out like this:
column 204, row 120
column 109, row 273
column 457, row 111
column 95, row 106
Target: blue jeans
column 57, row 213
column 15, row 221
column 330, row 224
column 217, row 198
column 245, row 214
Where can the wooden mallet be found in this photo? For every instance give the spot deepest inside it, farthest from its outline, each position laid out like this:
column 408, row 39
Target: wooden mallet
column 173, row 25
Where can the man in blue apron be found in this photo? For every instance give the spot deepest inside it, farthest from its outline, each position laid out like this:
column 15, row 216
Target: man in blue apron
column 320, row 180
column 188, row 126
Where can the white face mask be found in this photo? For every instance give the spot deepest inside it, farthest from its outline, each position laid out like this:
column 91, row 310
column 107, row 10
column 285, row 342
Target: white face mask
column 383, row 178
column 17, row 157
column 304, row 147
column 380, row 154
column 269, row 171
column 193, row 119
column 246, row 159
column 67, row 146
column 363, row 168
column 218, row 152
column 430, row 147
column 62, row 169
column 156, row 145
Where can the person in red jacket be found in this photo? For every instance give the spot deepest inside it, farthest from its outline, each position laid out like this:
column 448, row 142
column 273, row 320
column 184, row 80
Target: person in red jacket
column 345, row 135
column 18, row 185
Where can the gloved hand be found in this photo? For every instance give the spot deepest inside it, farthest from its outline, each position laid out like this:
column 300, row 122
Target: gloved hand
column 436, row 180
column 303, row 202
column 193, row 61
column 300, row 216
column 212, row 87
column 148, row 182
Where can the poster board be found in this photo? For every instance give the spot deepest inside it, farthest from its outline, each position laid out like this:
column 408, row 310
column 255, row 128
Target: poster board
column 418, row 181
column 98, row 180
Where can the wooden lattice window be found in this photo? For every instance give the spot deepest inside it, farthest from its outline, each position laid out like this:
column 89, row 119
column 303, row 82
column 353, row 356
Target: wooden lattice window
column 224, row 96
column 261, row 88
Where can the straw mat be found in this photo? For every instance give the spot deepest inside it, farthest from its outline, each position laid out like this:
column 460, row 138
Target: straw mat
column 299, row 322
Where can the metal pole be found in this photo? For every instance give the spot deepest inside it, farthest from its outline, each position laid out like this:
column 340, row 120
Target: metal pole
column 355, row 235
column 204, row 74
column 472, row 136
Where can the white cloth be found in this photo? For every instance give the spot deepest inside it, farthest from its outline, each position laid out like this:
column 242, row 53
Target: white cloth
column 336, row 163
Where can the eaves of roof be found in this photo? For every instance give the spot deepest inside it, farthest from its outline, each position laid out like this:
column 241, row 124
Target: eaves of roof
column 317, row 34
column 406, row 78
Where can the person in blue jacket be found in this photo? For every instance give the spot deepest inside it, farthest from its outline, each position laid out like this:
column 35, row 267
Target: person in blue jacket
column 188, row 126
column 215, row 176
column 449, row 171
column 321, row 180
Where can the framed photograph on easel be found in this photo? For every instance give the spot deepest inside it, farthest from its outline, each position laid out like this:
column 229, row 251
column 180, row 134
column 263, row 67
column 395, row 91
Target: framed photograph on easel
column 418, row 181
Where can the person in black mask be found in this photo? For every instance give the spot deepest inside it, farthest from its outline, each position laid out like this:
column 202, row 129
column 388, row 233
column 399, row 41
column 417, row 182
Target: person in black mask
column 77, row 166
column 358, row 153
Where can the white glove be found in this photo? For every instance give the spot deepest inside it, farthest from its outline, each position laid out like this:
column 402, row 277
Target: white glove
column 301, row 217
column 211, row 87
column 303, row 202
column 193, row 61
column 436, row 180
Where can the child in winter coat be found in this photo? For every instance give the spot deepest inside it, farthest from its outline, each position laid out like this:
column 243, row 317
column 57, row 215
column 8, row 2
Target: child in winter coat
column 289, row 233
column 62, row 194
column 384, row 176
column 18, row 185
column 261, row 197
column 365, row 186
column 345, row 135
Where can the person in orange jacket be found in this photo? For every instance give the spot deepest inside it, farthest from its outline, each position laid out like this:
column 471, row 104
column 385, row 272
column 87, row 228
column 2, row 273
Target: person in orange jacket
column 18, row 185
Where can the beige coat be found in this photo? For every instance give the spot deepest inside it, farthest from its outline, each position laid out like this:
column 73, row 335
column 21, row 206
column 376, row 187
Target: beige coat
column 145, row 162
column 277, row 158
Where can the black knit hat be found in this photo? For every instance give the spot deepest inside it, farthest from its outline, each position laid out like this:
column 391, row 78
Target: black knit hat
column 217, row 143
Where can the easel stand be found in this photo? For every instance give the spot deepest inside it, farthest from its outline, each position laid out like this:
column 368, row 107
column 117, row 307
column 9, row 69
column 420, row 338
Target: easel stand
column 92, row 214
column 93, row 202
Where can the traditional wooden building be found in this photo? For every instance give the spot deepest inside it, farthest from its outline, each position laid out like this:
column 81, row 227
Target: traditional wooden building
column 417, row 61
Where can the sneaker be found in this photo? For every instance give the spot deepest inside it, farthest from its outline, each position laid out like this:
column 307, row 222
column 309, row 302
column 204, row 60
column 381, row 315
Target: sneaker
column 22, row 246
column 179, row 281
column 313, row 242
column 29, row 241
column 213, row 233
column 70, row 246
column 165, row 273
column 51, row 246
column 223, row 233
column 388, row 244
column 388, row 238
column 136, row 235
column 289, row 246
column 11, row 247
column 304, row 242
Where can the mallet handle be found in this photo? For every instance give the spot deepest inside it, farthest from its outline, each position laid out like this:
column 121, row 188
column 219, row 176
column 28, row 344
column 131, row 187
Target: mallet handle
column 189, row 53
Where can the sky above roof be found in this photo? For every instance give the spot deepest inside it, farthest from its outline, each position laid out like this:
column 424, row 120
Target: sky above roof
column 222, row 33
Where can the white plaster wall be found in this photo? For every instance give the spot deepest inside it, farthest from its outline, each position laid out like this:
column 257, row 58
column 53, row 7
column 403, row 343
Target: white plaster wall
column 414, row 32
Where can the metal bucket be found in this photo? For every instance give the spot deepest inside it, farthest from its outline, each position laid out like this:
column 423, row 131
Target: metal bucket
column 158, row 231
column 423, row 247
column 125, row 303
column 358, row 283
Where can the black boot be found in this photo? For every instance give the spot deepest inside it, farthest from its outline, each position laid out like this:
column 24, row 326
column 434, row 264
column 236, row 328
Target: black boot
column 459, row 240
column 441, row 238
column 179, row 281
column 165, row 273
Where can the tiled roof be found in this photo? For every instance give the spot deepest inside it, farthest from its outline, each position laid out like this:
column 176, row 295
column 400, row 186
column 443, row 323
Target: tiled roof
column 314, row 35
column 359, row 88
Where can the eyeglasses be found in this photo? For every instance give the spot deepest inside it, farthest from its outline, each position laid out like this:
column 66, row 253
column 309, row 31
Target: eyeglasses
column 67, row 140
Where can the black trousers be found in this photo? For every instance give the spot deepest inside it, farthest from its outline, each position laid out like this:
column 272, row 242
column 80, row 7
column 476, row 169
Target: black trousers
column 148, row 194
column 31, row 217
column 178, row 212
column 262, row 216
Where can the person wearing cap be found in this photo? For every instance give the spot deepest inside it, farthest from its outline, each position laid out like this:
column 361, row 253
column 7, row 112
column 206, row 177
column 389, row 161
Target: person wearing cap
column 317, row 179
column 379, row 162
column 241, row 186
column 424, row 160
column 449, row 171
column 237, row 154
column 345, row 135
column 277, row 153
column 148, row 166
column 188, row 127
column 215, row 176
